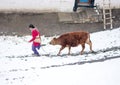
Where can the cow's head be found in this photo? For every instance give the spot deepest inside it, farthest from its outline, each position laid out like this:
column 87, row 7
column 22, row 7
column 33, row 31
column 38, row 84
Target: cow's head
column 53, row 41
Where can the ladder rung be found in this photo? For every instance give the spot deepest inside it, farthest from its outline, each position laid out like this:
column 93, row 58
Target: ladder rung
column 107, row 13
column 107, row 18
column 106, row 8
column 108, row 23
column 106, row 4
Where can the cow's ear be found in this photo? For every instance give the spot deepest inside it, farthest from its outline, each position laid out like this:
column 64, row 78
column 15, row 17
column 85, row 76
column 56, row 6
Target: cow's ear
column 54, row 38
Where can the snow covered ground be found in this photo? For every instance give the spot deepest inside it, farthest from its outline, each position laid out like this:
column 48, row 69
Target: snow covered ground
column 18, row 67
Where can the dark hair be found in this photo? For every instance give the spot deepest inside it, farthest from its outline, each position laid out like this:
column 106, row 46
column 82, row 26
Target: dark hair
column 31, row 26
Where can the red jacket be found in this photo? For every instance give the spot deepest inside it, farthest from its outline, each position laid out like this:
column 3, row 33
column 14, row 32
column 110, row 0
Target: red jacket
column 35, row 33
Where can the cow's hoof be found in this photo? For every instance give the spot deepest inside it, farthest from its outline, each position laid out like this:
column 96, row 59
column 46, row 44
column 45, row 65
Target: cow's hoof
column 58, row 54
column 92, row 51
column 81, row 53
column 68, row 53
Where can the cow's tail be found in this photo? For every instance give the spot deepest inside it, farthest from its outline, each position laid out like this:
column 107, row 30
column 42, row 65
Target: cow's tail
column 88, row 41
column 88, row 38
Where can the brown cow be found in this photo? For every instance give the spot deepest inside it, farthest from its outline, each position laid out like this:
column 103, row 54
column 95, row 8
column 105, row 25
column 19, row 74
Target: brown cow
column 72, row 39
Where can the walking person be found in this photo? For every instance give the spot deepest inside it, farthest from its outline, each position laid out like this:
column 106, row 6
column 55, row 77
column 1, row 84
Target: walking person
column 36, row 39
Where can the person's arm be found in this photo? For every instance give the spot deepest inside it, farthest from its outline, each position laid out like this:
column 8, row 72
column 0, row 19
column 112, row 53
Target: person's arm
column 33, row 36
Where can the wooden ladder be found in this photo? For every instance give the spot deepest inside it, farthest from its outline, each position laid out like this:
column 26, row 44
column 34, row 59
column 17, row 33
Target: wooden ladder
column 107, row 14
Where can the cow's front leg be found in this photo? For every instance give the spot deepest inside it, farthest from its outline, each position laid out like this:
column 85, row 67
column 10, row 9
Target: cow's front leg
column 83, row 47
column 61, row 50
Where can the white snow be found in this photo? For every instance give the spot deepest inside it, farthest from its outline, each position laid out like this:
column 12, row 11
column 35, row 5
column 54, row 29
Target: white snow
column 37, row 5
column 47, row 5
column 18, row 67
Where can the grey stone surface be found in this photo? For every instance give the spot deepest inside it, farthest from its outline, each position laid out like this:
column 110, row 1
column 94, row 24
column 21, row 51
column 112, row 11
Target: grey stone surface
column 47, row 23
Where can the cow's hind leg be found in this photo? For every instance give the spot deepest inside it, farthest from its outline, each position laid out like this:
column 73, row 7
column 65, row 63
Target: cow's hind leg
column 83, row 47
column 69, row 48
column 61, row 50
column 90, row 44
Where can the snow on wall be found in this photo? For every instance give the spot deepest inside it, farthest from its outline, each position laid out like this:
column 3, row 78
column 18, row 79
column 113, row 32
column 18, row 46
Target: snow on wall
column 45, row 5
column 114, row 3
column 37, row 5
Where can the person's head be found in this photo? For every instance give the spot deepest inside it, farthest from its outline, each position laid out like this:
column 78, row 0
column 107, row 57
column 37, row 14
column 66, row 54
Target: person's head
column 31, row 26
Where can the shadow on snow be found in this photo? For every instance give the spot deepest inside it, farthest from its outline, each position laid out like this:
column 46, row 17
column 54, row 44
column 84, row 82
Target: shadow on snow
column 87, row 54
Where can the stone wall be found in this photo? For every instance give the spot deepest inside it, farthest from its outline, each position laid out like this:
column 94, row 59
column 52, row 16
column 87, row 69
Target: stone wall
column 47, row 23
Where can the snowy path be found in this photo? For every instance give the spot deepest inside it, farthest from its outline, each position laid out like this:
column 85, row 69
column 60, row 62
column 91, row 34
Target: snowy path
column 18, row 67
